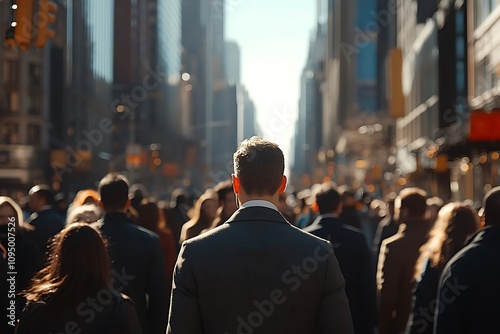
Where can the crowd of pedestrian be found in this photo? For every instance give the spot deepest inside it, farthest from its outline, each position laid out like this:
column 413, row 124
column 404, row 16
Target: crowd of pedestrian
column 246, row 256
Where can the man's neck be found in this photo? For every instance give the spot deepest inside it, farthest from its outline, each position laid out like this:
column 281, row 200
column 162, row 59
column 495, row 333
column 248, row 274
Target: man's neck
column 243, row 198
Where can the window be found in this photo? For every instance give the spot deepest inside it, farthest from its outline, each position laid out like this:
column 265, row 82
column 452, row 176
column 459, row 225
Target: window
column 10, row 72
column 34, row 135
column 35, row 75
column 35, row 105
column 10, row 133
column 12, row 99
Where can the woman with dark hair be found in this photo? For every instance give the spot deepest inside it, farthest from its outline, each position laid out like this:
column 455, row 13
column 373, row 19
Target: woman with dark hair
column 454, row 224
column 14, row 237
column 204, row 212
column 73, row 292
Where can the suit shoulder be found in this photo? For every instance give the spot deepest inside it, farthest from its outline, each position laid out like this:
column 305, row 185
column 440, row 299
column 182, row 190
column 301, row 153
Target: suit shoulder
column 353, row 231
column 144, row 233
column 307, row 235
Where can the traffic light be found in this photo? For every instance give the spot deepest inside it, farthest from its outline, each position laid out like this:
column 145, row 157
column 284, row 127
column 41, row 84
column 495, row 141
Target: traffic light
column 46, row 16
column 21, row 28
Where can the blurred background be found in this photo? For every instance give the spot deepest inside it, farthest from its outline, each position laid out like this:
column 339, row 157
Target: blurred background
column 377, row 94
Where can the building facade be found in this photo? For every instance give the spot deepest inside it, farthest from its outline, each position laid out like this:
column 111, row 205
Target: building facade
column 25, row 123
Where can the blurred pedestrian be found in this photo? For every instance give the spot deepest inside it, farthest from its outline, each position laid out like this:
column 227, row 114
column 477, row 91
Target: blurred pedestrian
column 203, row 215
column 87, row 213
column 136, row 255
column 151, row 218
column 469, row 289
column 45, row 219
column 227, row 202
column 256, row 272
column 176, row 214
column 353, row 254
column 73, row 292
column 304, row 215
column 455, row 223
column 15, row 237
column 386, row 228
column 397, row 260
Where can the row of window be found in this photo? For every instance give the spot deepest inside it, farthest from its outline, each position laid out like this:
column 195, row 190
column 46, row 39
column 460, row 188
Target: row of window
column 11, row 134
column 33, row 101
column 11, row 73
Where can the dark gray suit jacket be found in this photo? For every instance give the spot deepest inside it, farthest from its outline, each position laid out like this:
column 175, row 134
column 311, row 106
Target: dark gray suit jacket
column 258, row 274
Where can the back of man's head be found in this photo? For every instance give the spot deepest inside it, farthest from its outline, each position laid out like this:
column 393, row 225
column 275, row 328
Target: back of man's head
column 491, row 207
column 327, row 198
column 413, row 201
column 113, row 190
column 259, row 164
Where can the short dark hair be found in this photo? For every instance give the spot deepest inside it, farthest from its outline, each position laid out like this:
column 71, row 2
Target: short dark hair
column 491, row 207
column 223, row 188
column 113, row 190
column 327, row 198
column 259, row 164
column 414, row 200
column 43, row 191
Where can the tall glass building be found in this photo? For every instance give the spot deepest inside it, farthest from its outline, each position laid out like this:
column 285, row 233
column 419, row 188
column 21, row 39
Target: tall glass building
column 85, row 155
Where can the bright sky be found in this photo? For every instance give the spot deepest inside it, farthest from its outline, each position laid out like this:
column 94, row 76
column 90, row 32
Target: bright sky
column 273, row 36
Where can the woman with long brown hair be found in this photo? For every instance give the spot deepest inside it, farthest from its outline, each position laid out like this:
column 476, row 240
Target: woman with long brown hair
column 455, row 223
column 73, row 292
column 204, row 212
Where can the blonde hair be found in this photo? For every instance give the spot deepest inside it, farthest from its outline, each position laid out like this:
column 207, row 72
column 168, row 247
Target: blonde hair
column 454, row 224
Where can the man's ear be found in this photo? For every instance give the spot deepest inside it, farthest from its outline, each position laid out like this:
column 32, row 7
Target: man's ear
column 236, row 184
column 127, row 204
column 283, row 185
column 101, row 205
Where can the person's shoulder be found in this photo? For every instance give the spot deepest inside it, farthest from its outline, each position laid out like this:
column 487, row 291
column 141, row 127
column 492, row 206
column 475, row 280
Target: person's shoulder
column 33, row 307
column 306, row 237
column 210, row 235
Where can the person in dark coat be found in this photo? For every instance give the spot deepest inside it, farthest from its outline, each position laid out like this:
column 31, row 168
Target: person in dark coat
column 257, row 273
column 397, row 260
column 469, row 288
column 353, row 254
column 455, row 223
column 177, row 214
column 46, row 220
column 136, row 256
column 27, row 260
column 386, row 228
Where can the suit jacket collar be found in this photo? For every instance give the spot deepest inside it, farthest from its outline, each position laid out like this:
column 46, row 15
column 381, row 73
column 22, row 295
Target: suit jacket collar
column 257, row 213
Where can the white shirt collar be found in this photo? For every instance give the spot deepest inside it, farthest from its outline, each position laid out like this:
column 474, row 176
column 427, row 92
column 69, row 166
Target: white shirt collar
column 261, row 203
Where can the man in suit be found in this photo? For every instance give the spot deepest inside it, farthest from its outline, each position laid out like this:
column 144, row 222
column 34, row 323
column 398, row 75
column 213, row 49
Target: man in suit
column 256, row 272
column 46, row 220
column 469, row 289
column 136, row 256
column 353, row 254
column 397, row 260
